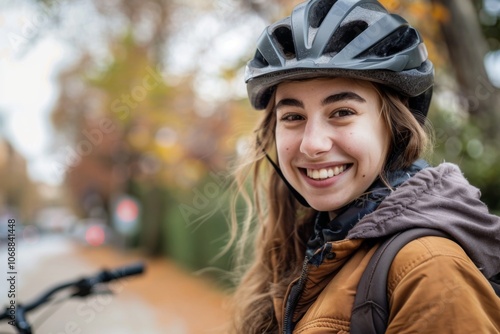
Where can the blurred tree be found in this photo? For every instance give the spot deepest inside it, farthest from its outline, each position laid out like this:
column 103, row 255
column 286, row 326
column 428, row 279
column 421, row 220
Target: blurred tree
column 488, row 14
column 18, row 194
column 109, row 107
column 468, row 117
column 467, row 49
column 127, row 125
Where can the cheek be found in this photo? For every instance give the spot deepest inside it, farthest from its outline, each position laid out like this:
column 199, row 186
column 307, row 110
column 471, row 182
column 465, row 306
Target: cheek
column 284, row 153
column 383, row 141
column 354, row 143
column 281, row 150
column 367, row 148
column 284, row 143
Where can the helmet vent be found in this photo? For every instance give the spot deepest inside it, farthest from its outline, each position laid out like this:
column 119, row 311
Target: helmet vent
column 259, row 61
column 284, row 37
column 344, row 35
column 401, row 39
column 318, row 12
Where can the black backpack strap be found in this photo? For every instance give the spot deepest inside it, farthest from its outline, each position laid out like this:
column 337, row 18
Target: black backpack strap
column 495, row 283
column 370, row 310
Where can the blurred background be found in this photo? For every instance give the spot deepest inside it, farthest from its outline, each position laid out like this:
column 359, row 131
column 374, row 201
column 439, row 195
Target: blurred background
column 120, row 121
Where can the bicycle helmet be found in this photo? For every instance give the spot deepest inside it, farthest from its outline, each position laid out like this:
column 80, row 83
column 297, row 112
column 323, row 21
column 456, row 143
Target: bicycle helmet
column 357, row 39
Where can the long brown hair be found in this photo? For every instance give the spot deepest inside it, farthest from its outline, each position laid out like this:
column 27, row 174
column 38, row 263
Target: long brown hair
column 276, row 227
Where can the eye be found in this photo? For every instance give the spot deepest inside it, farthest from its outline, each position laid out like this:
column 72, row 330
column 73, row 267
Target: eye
column 291, row 117
column 344, row 112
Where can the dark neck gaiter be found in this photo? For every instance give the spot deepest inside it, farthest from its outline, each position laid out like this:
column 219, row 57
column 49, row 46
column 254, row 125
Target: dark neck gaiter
column 326, row 230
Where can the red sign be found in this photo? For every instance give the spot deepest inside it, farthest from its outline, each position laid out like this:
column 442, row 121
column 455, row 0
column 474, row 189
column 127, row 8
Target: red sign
column 127, row 210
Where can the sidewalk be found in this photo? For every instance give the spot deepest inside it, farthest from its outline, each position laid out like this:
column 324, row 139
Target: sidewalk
column 182, row 303
column 165, row 299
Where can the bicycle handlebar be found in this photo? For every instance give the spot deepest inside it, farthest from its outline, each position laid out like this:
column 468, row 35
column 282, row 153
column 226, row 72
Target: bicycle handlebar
column 84, row 287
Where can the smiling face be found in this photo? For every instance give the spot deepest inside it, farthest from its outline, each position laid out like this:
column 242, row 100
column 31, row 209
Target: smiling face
column 331, row 139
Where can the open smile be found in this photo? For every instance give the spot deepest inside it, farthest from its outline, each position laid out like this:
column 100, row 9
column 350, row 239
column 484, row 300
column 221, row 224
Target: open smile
column 325, row 173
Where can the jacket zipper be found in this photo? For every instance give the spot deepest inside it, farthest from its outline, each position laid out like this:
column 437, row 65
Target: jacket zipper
column 293, row 298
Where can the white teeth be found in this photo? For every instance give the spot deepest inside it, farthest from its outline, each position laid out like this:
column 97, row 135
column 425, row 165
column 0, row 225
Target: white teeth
column 325, row 173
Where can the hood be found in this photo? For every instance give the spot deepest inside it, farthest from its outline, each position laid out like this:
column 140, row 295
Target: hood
column 439, row 198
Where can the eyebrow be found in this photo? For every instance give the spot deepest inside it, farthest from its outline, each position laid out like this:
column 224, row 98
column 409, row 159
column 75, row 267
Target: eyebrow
column 289, row 103
column 343, row 96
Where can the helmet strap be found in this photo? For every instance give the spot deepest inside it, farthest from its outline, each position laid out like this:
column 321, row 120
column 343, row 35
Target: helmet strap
column 295, row 193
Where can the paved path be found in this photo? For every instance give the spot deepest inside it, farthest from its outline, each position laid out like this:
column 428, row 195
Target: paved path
column 165, row 299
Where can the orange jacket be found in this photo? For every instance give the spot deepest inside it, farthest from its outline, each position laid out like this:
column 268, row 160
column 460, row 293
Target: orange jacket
column 433, row 287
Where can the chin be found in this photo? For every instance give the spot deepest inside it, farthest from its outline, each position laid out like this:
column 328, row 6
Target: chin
column 324, row 206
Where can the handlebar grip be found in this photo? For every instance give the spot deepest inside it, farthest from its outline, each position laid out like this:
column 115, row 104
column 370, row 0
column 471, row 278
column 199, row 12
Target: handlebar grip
column 85, row 285
column 129, row 270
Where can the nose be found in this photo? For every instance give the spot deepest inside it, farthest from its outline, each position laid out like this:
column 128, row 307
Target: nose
column 316, row 139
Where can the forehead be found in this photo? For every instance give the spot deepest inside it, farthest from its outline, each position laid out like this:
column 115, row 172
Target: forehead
column 323, row 86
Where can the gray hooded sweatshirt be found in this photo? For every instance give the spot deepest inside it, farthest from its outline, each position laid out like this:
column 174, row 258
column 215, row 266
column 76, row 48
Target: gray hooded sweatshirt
column 440, row 198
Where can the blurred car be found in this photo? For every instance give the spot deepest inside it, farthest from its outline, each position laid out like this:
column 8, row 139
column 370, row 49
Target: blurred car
column 56, row 219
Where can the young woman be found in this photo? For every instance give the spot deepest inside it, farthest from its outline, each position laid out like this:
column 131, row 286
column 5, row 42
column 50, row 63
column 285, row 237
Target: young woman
column 346, row 88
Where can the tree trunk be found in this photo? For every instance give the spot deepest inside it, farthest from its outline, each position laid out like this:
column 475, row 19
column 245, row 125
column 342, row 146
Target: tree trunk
column 467, row 47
